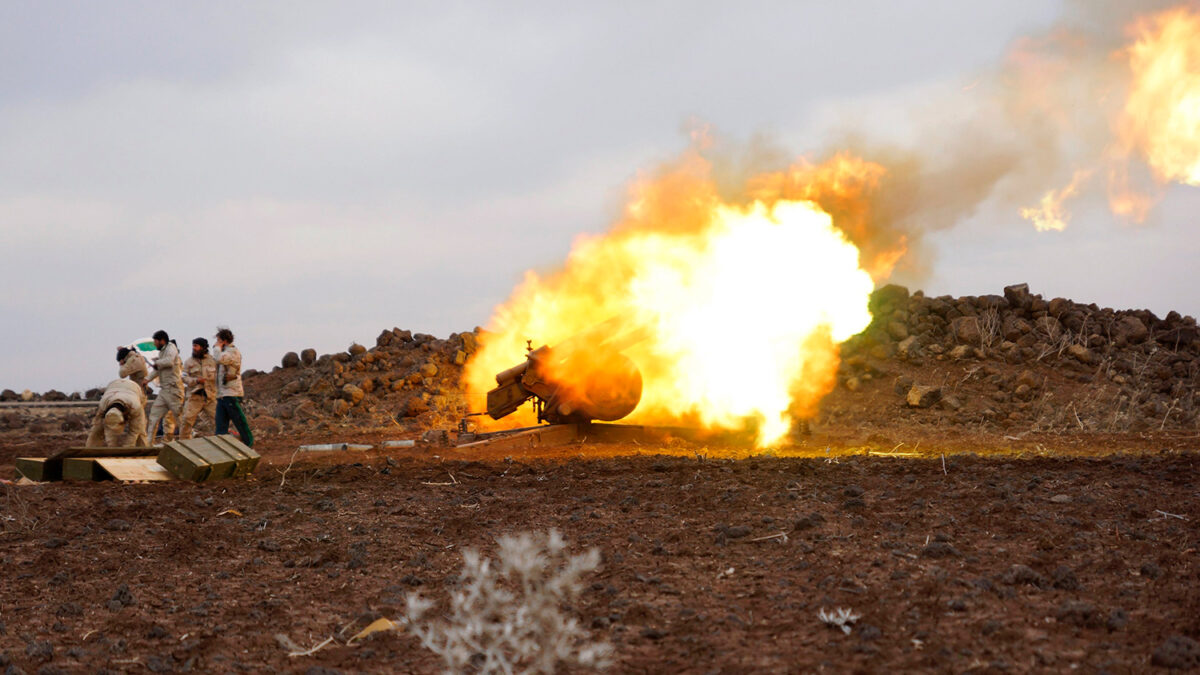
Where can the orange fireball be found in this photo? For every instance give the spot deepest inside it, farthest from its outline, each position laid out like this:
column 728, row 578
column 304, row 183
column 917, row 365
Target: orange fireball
column 741, row 303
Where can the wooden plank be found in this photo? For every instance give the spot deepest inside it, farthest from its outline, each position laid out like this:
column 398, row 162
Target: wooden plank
column 39, row 469
column 554, row 434
column 82, row 468
column 134, row 469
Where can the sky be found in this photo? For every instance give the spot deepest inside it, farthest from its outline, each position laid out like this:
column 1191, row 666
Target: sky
column 312, row 173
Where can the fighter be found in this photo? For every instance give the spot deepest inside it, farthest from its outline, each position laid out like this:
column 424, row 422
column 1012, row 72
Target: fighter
column 168, row 369
column 120, row 420
column 200, row 377
column 133, row 366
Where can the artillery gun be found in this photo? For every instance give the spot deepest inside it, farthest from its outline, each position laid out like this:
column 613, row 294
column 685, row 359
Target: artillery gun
column 584, row 378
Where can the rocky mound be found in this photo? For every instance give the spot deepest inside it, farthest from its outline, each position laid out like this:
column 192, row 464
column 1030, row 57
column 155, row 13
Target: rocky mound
column 406, row 382
column 1018, row 361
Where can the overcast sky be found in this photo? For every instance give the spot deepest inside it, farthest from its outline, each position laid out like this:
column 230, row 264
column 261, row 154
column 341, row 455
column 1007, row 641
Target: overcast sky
column 310, row 173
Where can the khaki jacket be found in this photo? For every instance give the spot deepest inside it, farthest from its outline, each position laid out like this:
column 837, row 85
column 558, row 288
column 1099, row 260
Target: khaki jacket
column 134, row 367
column 125, row 392
column 229, row 371
column 168, row 368
column 205, row 369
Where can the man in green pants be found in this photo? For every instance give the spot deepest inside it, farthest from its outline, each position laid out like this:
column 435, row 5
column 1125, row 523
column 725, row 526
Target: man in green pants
column 229, row 387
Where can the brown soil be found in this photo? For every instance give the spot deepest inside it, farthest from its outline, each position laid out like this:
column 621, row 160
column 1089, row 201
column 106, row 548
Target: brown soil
column 1037, row 558
column 1041, row 515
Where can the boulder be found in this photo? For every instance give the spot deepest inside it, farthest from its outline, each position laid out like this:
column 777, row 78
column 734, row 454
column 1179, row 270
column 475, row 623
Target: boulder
column 415, row 405
column 1048, row 326
column 469, row 343
column 1132, row 329
column 429, row 369
column 339, row 407
column 1080, row 353
column 1028, row 379
column 460, row 357
column 321, row 387
column 897, row 330
column 907, row 347
column 27, row 396
column 966, row 329
column 1018, row 296
column 290, row 360
column 1015, row 327
column 961, row 352
column 308, row 356
column 922, row 396
column 891, row 295
column 352, row 394
column 305, row 409
column 356, row 349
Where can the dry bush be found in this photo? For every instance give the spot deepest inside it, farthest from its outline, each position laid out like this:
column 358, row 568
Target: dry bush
column 507, row 615
column 990, row 328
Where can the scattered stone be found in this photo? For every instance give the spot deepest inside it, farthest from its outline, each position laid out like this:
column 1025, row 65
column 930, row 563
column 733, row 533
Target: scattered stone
column 120, row 598
column 1061, row 499
column 940, row 549
column 1178, row 652
column 1064, row 578
column 922, row 396
column 1078, row 613
column 1117, row 619
column 1023, row 575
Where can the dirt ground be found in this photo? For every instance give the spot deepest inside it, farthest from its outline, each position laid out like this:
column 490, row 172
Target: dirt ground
column 1044, row 553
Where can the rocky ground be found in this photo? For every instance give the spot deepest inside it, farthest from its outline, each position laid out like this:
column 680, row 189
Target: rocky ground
column 998, row 483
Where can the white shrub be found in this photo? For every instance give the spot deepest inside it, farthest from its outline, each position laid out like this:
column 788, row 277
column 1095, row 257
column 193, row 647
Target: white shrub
column 506, row 615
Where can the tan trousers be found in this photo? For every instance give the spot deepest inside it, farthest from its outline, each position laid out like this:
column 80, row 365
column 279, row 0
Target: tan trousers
column 169, row 402
column 191, row 412
column 133, row 434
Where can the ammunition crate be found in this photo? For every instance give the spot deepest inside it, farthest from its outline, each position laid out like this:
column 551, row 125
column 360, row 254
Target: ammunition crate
column 208, row 458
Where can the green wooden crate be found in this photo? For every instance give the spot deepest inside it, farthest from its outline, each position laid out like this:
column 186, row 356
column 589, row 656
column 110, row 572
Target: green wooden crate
column 39, row 468
column 208, row 458
column 82, row 468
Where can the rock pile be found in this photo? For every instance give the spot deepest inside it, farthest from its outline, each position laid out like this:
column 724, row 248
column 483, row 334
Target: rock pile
column 407, row 381
column 1018, row 358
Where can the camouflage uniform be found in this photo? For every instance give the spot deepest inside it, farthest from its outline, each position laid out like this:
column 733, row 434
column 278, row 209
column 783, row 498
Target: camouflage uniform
column 120, row 420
